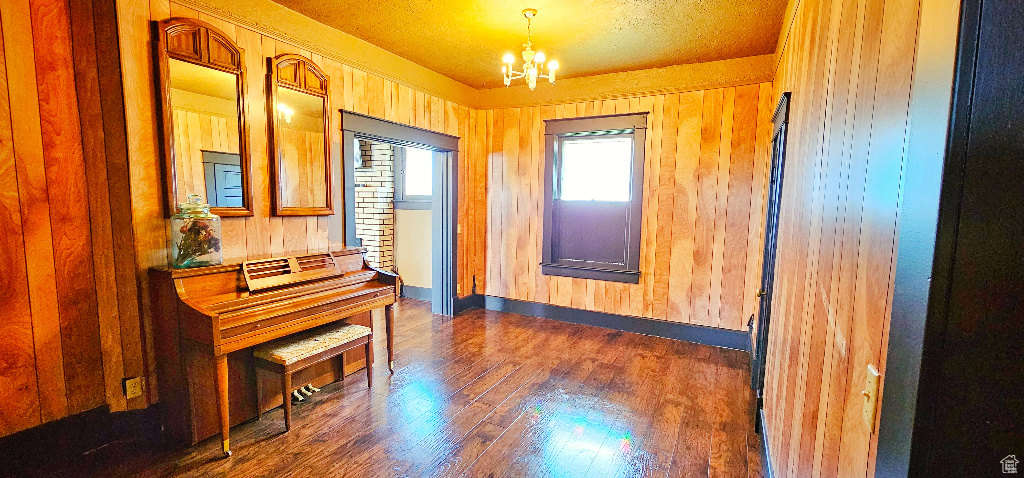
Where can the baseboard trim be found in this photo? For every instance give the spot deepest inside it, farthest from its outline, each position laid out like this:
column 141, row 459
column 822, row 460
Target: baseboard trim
column 474, row 301
column 418, row 293
column 730, row 339
column 766, row 456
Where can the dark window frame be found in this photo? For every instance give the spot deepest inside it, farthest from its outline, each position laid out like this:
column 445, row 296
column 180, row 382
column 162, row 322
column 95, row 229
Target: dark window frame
column 555, row 132
column 402, row 201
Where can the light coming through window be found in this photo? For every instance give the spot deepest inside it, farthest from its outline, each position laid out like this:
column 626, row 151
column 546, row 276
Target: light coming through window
column 596, row 169
column 418, row 172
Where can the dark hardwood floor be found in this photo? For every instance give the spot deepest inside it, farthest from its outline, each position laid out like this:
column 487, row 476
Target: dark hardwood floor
column 495, row 394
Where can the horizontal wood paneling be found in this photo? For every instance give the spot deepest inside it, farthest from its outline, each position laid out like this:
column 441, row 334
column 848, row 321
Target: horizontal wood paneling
column 699, row 179
column 349, row 88
column 849, row 65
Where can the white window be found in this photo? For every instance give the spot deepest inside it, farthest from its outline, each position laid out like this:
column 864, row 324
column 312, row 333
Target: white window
column 417, row 177
column 596, row 169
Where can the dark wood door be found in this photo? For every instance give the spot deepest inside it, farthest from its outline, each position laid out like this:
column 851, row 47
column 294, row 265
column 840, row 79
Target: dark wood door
column 771, row 230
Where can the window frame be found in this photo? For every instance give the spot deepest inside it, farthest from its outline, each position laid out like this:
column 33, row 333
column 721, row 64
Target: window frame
column 401, row 200
column 555, row 132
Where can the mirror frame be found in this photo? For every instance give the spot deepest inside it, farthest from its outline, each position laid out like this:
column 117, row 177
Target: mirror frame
column 203, row 44
column 311, row 80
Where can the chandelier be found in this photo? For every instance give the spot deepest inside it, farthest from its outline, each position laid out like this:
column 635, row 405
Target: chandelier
column 533, row 62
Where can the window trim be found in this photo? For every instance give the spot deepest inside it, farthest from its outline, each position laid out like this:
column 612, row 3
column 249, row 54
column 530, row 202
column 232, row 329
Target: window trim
column 401, row 200
column 554, row 132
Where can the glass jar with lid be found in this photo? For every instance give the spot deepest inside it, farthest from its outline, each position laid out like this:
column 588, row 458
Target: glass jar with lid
column 195, row 235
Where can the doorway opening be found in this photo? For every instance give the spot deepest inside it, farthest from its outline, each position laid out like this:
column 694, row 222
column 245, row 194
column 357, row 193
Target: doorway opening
column 400, row 203
column 393, row 196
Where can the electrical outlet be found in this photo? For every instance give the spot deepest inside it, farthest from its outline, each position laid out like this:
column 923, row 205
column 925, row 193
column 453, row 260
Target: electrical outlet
column 134, row 386
column 870, row 395
column 458, row 288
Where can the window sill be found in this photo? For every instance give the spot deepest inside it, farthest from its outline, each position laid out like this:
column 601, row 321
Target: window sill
column 421, row 205
column 610, row 275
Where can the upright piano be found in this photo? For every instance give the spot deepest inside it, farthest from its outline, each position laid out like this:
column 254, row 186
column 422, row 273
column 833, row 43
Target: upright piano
column 207, row 319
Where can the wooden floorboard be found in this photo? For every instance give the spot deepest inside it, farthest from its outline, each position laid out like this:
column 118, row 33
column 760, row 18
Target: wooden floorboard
column 495, row 394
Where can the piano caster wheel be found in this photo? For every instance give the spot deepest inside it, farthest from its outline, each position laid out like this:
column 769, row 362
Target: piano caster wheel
column 227, row 454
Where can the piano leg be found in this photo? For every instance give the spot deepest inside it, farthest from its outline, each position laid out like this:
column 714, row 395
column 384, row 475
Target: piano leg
column 389, row 325
column 222, row 402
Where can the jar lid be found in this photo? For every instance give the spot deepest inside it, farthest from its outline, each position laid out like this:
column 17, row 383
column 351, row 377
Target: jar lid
column 194, row 203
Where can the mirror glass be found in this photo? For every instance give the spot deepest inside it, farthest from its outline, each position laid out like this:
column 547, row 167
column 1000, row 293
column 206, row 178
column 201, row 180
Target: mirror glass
column 301, row 151
column 206, row 126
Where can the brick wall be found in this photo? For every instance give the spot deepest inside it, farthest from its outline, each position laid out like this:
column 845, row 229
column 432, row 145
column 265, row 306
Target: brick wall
column 375, row 203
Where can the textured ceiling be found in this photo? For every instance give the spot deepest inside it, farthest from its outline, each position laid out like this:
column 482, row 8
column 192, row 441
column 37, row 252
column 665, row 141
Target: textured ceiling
column 465, row 39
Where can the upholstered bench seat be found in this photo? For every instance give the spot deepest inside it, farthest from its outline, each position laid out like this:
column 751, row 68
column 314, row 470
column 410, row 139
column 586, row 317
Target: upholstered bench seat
column 296, row 352
column 293, row 349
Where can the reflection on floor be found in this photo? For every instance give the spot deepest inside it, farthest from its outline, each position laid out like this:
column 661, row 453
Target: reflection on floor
column 494, row 394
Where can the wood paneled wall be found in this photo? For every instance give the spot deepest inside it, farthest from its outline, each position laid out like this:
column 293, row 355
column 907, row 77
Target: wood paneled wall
column 704, row 185
column 262, row 234
column 849, row 65
column 69, row 324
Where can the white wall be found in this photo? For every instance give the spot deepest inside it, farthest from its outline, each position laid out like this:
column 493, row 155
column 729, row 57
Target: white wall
column 413, row 247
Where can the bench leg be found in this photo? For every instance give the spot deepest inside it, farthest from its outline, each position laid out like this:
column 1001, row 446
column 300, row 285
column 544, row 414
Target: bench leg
column 389, row 325
column 286, row 394
column 222, row 403
column 369, row 363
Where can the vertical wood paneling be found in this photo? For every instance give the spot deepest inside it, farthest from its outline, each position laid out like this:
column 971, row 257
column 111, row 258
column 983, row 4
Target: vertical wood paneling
column 91, row 121
column 18, row 386
column 684, row 206
column 666, row 205
column 738, row 205
column 707, row 204
column 68, row 283
column 721, row 200
column 686, row 132
column 849, row 65
column 35, row 220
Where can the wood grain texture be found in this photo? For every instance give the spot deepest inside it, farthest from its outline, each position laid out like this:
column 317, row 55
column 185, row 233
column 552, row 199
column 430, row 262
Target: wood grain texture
column 19, row 386
column 501, row 394
column 35, row 215
column 683, row 169
column 71, row 329
column 848, row 64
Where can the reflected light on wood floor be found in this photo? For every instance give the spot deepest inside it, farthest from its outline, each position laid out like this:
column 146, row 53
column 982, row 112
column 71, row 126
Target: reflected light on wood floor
column 496, row 394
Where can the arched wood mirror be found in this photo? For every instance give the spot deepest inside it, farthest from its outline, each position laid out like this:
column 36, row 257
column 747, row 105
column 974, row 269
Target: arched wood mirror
column 298, row 112
column 201, row 82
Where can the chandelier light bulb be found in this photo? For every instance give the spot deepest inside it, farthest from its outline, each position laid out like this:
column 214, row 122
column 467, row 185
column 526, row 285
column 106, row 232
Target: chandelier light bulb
column 509, row 59
column 553, row 65
column 539, row 58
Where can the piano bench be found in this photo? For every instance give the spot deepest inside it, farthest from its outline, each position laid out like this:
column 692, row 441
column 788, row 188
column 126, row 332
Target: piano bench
column 293, row 353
